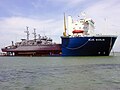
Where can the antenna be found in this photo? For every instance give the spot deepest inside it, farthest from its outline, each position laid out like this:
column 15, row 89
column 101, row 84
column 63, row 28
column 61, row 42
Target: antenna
column 39, row 36
column 34, row 33
column 27, row 33
column 12, row 43
column 84, row 15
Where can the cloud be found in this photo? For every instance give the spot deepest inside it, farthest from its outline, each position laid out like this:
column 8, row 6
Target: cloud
column 67, row 3
column 56, row 3
column 103, row 10
column 18, row 22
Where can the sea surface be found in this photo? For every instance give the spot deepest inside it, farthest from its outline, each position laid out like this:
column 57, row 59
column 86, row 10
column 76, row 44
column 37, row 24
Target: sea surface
column 60, row 73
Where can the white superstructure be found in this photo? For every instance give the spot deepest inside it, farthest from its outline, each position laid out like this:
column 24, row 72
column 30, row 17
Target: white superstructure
column 83, row 26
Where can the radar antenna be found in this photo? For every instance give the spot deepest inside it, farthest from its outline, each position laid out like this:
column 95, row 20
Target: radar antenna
column 27, row 33
column 34, row 33
column 84, row 15
column 39, row 36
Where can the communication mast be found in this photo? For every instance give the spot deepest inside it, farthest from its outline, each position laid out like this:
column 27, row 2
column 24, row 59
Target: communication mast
column 27, row 32
column 34, row 33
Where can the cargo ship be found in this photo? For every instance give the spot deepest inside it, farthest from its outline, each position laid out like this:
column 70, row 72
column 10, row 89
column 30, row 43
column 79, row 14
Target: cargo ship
column 79, row 39
column 41, row 46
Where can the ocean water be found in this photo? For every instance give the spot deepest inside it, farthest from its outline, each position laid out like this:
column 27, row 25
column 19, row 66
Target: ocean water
column 60, row 73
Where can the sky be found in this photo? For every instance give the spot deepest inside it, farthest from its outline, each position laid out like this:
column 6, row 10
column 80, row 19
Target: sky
column 47, row 17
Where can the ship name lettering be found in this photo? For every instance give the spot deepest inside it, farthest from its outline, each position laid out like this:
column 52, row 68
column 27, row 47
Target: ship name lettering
column 100, row 39
column 96, row 39
column 91, row 39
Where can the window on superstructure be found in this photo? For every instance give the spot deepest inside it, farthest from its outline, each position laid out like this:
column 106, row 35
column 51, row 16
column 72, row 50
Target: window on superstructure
column 84, row 27
column 81, row 21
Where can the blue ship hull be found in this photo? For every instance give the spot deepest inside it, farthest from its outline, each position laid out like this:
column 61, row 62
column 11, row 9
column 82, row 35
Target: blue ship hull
column 87, row 46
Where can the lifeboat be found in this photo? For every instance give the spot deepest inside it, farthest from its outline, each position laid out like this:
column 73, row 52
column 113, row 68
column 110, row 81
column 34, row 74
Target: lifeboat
column 77, row 31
